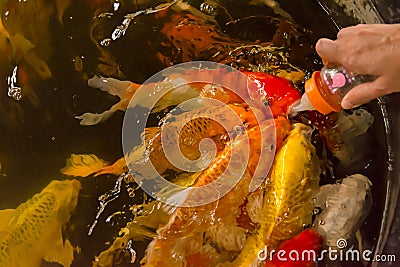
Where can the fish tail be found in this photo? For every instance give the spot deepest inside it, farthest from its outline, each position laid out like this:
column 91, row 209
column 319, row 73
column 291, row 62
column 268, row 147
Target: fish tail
column 83, row 165
column 117, row 168
column 110, row 85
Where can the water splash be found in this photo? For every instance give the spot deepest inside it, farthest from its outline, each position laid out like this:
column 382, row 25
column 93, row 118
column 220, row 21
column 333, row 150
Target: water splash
column 121, row 29
column 14, row 91
column 105, row 199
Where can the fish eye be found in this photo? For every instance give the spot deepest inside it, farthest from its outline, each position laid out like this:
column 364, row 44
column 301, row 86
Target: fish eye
column 265, row 101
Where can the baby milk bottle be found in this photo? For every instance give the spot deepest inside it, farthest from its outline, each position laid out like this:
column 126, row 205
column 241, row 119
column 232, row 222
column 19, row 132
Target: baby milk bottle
column 326, row 88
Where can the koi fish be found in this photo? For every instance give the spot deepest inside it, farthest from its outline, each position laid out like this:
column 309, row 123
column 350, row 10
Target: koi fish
column 287, row 202
column 276, row 92
column 125, row 90
column 190, row 136
column 190, row 37
column 83, row 165
column 267, row 89
column 309, row 241
column 344, row 208
column 183, row 235
column 32, row 232
column 27, row 44
column 192, row 133
column 344, row 132
column 142, row 227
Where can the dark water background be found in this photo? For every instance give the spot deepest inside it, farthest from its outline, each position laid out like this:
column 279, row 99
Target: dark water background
column 35, row 143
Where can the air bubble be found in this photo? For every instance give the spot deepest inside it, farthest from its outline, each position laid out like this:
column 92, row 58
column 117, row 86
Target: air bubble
column 118, row 32
column 316, row 211
column 208, row 9
column 131, row 192
column 177, row 256
column 116, row 5
column 15, row 93
column 105, row 42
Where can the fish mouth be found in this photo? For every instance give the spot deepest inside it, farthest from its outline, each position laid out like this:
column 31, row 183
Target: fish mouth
column 305, row 129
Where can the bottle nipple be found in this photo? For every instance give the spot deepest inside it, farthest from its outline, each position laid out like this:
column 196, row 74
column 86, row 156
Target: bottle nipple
column 301, row 105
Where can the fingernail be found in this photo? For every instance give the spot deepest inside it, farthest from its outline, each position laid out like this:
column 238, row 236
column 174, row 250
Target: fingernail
column 347, row 104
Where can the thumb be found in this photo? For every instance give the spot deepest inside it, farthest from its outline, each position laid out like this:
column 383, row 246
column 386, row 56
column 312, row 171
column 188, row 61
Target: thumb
column 364, row 93
column 327, row 50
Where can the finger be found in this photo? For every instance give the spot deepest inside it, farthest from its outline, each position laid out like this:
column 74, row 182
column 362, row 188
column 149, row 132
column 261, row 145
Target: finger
column 364, row 93
column 327, row 50
column 351, row 30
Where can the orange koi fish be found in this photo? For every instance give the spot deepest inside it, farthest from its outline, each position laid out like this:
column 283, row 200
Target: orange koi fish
column 182, row 236
column 190, row 136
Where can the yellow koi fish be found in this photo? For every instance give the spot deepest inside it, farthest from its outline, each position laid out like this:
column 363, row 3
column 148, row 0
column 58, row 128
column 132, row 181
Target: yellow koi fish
column 32, row 232
column 287, row 202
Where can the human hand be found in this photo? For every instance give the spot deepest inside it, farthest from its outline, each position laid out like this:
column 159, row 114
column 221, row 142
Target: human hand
column 372, row 49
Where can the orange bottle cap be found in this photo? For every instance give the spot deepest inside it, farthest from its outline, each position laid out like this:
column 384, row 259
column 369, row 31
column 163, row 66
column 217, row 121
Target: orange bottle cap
column 316, row 97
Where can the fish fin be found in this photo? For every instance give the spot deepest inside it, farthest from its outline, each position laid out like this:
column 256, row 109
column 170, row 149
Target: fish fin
column 5, row 216
column 62, row 253
column 175, row 97
column 20, row 44
column 83, row 165
column 180, row 196
column 186, row 179
column 110, row 85
column 138, row 153
column 25, row 49
column 117, row 168
column 39, row 65
column 30, row 93
column 175, row 197
column 149, row 133
column 154, row 215
column 95, row 118
column 120, row 166
column 359, row 240
column 61, row 6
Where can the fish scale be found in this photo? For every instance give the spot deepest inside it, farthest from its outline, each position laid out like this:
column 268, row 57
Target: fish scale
column 33, row 214
column 180, row 238
column 34, row 228
column 188, row 223
column 199, row 126
column 287, row 206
